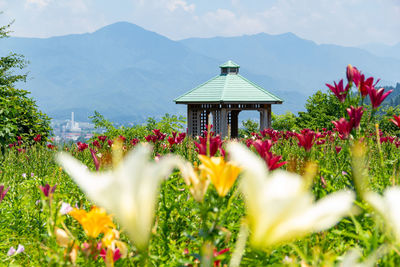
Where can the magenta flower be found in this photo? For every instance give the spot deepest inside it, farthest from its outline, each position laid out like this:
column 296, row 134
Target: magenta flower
column 95, row 159
column 396, row 120
column 355, row 115
column 96, row 144
column 343, row 127
column 338, row 90
column 215, row 145
column 134, row 141
column 82, row 146
column 338, row 149
column 377, row 96
column 306, row 139
column 272, row 161
column 263, row 147
column 102, row 138
column 3, row 192
column 47, row 189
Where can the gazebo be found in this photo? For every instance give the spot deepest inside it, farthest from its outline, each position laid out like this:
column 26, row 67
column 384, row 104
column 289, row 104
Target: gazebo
column 222, row 98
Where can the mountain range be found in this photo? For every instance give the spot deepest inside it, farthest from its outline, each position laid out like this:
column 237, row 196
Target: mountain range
column 128, row 73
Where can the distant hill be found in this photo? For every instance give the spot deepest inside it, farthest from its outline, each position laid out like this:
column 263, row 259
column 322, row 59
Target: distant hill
column 128, row 73
column 383, row 50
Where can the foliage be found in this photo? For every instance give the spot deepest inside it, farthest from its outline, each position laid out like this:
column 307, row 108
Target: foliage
column 283, row 122
column 248, row 126
column 322, row 108
column 20, row 117
column 19, row 114
column 166, row 124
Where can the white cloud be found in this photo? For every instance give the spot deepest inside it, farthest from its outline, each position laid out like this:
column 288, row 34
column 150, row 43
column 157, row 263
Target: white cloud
column 172, row 5
column 37, row 3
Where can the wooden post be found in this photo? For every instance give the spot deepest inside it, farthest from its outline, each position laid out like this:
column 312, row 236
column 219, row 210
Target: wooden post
column 223, row 123
column 189, row 121
column 269, row 113
column 263, row 118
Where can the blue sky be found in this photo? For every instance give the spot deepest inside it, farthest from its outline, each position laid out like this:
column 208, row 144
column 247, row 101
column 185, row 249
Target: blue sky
column 344, row 22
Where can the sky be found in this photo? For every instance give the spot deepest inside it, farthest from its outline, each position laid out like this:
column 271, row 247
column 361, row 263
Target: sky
column 342, row 22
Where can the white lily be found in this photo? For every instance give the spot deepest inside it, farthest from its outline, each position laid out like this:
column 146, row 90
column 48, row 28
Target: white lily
column 388, row 207
column 279, row 206
column 129, row 191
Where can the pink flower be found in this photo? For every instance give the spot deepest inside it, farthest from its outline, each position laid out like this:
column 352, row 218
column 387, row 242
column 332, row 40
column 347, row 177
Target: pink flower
column 377, row 96
column 47, row 189
column 110, row 142
column 338, row 149
column 116, row 254
column 95, row 159
column 338, row 90
column 263, row 147
column 3, row 192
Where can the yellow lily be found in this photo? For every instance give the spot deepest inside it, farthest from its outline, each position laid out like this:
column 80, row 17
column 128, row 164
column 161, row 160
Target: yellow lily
column 279, row 206
column 129, row 191
column 94, row 222
column 222, row 174
column 195, row 179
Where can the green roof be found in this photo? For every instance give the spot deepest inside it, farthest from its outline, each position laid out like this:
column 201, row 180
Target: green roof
column 229, row 64
column 228, row 88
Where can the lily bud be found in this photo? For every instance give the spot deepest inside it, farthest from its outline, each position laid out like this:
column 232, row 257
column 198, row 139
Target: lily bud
column 350, row 73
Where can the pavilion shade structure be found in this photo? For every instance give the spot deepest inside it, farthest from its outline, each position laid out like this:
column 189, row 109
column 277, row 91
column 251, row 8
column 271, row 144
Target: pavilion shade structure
column 222, row 98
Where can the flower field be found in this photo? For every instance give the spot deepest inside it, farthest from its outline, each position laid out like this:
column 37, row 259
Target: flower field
column 321, row 197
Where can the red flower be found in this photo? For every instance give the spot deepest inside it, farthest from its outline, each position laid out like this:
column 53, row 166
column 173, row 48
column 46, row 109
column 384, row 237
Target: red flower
column 37, row 138
column 110, row 142
column 355, row 75
column 263, row 147
column 47, row 189
column 11, row 145
column 273, row 161
column 176, row 139
column 3, row 192
column 321, row 142
column 343, row 127
column 338, row 149
column 377, row 96
column 122, row 138
column 102, row 138
column 338, row 90
column 365, row 85
column 134, row 141
column 217, row 253
column 355, row 115
column 51, row 146
column 96, row 144
column 82, row 146
column 396, row 120
column 306, row 139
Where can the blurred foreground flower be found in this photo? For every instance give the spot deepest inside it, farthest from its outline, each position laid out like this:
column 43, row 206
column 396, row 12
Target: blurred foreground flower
column 387, row 206
column 279, row 206
column 196, row 180
column 222, row 174
column 3, row 192
column 129, row 191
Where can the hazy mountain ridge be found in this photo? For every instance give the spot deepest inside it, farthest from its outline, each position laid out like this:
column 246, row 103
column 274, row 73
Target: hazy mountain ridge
column 128, row 73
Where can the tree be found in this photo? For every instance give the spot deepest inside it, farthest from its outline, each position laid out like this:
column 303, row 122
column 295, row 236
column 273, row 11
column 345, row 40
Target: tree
column 322, row 108
column 284, row 122
column 249, row 126
column 19, row 114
